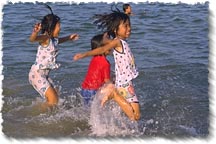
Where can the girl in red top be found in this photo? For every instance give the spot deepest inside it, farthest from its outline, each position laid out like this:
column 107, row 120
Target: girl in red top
column 98, row 71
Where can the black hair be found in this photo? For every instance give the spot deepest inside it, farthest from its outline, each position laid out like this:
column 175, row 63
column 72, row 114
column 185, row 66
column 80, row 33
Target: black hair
column 110, row 22
column 49, row 21
column 125, row 6
column 97, row 41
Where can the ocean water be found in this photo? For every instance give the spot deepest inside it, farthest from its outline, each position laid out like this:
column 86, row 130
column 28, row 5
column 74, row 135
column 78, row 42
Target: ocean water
column 171, row 48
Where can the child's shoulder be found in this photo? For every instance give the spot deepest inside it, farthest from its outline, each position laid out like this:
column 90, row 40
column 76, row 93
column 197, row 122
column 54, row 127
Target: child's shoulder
column 120, row 40
column 46, row 41
column 117, row 40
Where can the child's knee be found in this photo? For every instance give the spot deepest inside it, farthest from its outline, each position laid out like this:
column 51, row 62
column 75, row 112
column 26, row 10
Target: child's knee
column 51, row 96
column 53, row 101
column 134, row 117
column 137, row 117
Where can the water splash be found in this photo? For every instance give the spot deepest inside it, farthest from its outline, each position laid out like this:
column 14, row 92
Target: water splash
column 67, row 119
column 189, row 130
column 109, row 120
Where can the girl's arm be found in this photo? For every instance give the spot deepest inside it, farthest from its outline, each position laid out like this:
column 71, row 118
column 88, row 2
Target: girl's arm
column 34, row 36
column 112, row 44
column 72, row 37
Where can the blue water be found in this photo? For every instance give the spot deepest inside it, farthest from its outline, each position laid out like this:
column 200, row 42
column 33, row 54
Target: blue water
column 171, row 49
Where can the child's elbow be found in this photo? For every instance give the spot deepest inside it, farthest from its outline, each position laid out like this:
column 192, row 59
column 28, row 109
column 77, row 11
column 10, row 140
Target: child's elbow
column 31, row 39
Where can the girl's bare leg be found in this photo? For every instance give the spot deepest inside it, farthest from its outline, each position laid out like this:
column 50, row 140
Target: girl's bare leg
column 108, row 89
column 136, row 109
column 125, row 106
column 51, row 97
column 130, row 109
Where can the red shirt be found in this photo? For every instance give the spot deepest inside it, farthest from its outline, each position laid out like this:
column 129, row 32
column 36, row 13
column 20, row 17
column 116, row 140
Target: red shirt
column 98, row 71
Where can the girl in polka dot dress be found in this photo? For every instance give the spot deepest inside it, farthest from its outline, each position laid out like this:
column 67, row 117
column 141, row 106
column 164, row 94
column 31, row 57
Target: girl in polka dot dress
column 117, row 25
column 46, row 56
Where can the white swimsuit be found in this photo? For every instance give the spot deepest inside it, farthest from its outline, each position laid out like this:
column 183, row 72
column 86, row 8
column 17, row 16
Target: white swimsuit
column 125, row 70
column 45, row 61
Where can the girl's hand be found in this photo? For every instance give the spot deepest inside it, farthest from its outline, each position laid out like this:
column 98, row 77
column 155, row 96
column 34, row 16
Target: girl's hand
column 78, row 56
column 74, row 37
column 37, row 27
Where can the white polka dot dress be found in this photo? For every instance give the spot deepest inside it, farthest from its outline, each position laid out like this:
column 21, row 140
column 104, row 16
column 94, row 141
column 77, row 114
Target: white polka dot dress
column 125, row 68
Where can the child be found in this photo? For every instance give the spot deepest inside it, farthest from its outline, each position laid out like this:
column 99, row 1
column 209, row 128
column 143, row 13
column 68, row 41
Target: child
column 118, row 26
column 98, row 71
column 127, row 9
column 46, row 56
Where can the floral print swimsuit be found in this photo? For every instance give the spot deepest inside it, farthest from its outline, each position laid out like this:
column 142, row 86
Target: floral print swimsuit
column 45, row 61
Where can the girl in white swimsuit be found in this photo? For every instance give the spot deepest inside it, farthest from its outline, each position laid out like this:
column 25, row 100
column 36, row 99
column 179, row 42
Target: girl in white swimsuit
column 46, row 56
column 117, row 25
